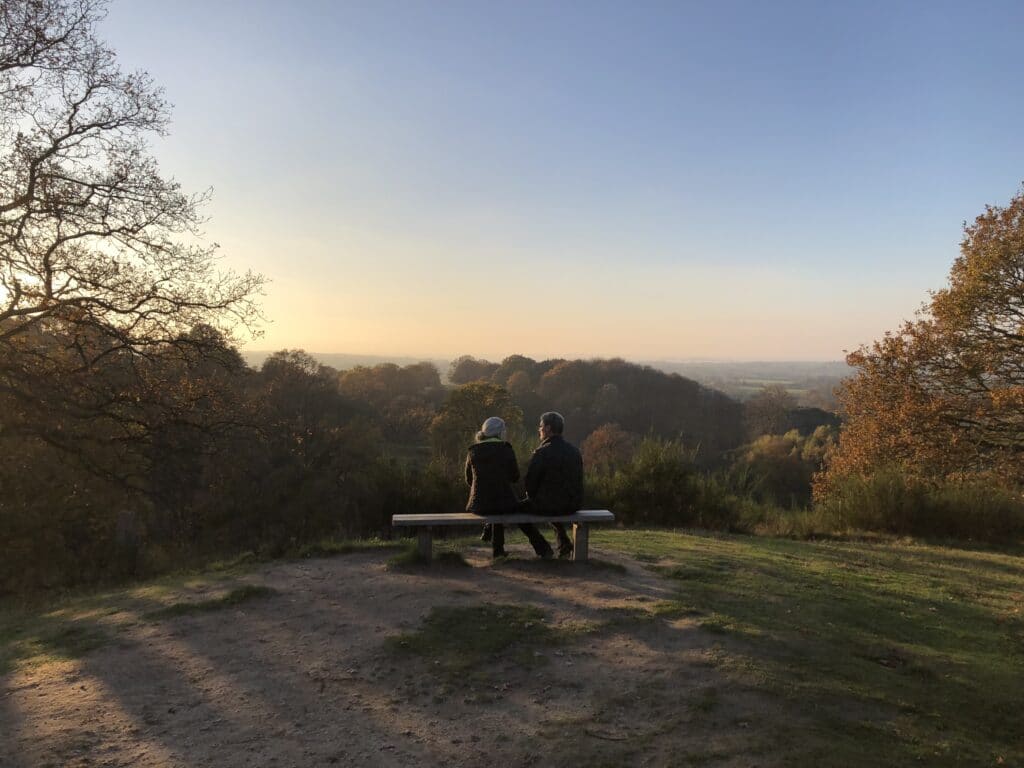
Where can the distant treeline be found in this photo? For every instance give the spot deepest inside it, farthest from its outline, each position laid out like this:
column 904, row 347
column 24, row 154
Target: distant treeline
column 137, row 464
column 811, row 383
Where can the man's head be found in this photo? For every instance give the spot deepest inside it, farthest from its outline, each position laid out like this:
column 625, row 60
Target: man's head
column 551, row 424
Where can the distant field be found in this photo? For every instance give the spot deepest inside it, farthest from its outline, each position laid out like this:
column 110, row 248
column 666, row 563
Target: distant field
column 671, row 648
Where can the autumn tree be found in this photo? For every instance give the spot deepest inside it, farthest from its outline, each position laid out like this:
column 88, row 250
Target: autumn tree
column 943, row 397
column 404, row 399
column 467, row 368
column 767, row 412
column 608, row 448
column 780, row 467
column 103, row 271
column 458, row 420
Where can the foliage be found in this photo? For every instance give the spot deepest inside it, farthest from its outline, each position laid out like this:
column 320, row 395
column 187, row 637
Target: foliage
column 104, row 279
column 607, row 449
column 459, row 419
column 658, row 486
column 590, row 393
column 780, row 467
column 941, row 398
column 466, row 369
column 311, row 472
column 766, row 413
column 641, row 400
column 890, row 500
column 661, row 484
column 403, row 399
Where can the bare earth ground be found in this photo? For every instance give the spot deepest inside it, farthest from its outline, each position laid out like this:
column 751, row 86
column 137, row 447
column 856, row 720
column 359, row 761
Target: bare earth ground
column 303, row 677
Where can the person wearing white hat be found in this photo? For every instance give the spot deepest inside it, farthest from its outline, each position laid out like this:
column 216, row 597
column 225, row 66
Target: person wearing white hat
column 491, row 471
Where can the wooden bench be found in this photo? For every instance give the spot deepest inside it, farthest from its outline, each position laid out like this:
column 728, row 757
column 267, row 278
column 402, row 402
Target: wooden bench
column 580, row 526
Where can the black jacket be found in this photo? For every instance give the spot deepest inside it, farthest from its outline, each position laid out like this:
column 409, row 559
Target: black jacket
column 554, row 479
column 491, row 468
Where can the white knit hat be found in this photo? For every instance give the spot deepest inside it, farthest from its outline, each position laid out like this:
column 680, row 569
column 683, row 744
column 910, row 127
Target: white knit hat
column 493, row 427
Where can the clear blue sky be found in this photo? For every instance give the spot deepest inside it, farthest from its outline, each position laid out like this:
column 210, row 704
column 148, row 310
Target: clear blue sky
column 723, row 180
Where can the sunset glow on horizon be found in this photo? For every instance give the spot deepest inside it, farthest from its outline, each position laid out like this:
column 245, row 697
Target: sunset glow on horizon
column 662, row 181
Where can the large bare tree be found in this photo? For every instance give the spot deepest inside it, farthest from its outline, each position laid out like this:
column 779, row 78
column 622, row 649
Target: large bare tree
column 104, row 273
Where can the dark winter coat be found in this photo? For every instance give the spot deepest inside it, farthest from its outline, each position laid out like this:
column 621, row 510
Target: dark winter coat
column 554, row 479
column 491, row 469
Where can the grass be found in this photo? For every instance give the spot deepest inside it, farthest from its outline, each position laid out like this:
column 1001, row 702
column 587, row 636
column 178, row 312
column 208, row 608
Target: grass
column 332, row 547
column 73, row 627
column 911, row 652
column 231, row 599
column 870, row 652
column 446, row 553
column 40, row 628
column 46, row 638
column 464, row 642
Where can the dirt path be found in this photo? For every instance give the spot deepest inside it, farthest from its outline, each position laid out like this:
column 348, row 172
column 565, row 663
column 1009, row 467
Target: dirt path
column 302, row 678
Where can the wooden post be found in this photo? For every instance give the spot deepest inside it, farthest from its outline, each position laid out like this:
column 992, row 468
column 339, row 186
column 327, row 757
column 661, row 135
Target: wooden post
column 424, row 542
column 581, row 542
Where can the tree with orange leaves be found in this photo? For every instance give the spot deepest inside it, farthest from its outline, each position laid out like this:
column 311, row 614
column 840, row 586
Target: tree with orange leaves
column 943, row 398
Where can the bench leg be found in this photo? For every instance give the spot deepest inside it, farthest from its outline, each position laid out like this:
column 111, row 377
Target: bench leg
column 424, row 543
column 580, row 542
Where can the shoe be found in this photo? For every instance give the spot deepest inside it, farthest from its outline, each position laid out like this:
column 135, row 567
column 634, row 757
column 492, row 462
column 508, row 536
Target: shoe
column 485, row 535
column 565, row 552
column 546, row 555
column 501, row 553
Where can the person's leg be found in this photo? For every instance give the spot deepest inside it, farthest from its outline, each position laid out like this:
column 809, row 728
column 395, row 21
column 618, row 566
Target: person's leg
column 540, row 544
column 564, row 542
column 498, row 540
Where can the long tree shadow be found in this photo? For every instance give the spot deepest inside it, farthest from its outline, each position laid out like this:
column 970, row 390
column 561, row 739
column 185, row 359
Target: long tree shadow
column 834, row 636
column 304, row 673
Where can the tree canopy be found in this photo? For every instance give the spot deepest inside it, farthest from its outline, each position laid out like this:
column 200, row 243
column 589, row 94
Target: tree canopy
column 942, row 397
column 104, row 273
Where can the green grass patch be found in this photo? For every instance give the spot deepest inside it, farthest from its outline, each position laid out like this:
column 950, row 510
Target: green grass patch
column 462, row 642
column 332, row 547
column 40, row 627
column 891, row 648
column 446, row 553
column 705, row 700
column 455, row 559
column 407, row 558
column 233, row 598
column 673, row 609
column 36, row 639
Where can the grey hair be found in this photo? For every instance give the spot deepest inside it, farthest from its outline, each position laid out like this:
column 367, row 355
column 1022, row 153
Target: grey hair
column 492, row 427
column 554, row 420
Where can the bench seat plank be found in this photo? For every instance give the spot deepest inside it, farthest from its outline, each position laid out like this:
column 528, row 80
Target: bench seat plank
column 468, row 518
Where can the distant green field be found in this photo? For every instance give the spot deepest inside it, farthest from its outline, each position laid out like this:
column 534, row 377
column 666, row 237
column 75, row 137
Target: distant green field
column 914, row 653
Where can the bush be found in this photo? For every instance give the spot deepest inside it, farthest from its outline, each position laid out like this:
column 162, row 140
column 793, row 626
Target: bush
column 661, row 485
column 890, row 501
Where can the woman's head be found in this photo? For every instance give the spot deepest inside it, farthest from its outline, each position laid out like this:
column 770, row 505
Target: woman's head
column 493, row 427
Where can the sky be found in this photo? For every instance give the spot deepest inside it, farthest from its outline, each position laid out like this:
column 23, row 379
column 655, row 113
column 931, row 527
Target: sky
column 727, row 180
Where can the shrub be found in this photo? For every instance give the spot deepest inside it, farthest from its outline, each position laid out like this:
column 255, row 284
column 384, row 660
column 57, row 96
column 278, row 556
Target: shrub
column 891, row 501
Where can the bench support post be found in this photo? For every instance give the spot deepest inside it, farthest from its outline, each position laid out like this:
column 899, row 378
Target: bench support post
column 424, row 542
column 581, row 542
